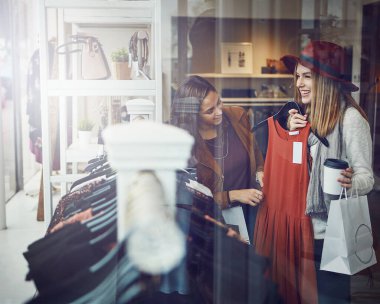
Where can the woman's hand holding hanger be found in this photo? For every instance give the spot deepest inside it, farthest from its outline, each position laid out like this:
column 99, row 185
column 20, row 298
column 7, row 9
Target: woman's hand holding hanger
column 296, row 120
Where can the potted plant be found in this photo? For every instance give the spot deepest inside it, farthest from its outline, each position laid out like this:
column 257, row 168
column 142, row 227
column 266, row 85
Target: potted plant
column 84, row 132
column 120, row 59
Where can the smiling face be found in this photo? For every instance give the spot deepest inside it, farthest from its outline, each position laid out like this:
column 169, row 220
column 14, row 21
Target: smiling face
column 210, row 112
column 304, row 83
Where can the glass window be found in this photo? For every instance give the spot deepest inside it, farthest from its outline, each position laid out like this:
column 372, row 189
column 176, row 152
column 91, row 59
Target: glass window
column 237, row 48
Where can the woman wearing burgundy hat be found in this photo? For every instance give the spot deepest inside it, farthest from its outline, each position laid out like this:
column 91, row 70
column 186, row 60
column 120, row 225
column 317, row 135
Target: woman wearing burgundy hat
column 325, row 93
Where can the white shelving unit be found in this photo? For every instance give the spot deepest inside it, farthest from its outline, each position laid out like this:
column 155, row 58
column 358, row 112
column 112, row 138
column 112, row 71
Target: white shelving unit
column 72, row 16
column 246, row 101
column 261, row 76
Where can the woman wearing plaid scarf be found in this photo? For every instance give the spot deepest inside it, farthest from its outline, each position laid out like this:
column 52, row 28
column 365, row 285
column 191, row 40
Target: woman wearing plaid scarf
column 323, row 87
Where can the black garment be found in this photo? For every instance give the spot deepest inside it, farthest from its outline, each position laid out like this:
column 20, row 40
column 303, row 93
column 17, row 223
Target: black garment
column 82, row 262
column 63, row 264
column 73, row 247
column 239, row 274
column 111, row 280
column 33, row 107
column 172, row 298
column 333, row 287
column 66, row 253
column 76, row 230
column 81, row 282
column 225, row 270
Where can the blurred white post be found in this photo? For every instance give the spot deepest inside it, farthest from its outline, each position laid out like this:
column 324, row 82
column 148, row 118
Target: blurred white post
column 146, row 156
column 140, row 109
column 3, row 222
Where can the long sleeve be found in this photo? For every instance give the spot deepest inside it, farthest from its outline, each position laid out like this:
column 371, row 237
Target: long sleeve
column 358, row 150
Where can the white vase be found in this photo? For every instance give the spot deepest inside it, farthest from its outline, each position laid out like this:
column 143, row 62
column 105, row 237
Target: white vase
column 84, row 138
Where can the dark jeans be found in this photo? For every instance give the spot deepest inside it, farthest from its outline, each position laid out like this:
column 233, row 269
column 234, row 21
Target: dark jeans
column 332, row 287
column 250, row 214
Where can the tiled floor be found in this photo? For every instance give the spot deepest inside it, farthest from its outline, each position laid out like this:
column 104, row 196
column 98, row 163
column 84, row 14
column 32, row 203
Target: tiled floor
column 23, row 229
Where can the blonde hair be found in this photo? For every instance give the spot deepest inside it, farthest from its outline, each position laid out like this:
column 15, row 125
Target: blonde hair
column 326, row 109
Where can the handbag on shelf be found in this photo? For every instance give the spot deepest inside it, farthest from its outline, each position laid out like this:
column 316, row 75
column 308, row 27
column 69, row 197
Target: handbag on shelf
column 348, row 244
column 93, row 61
column 139, row 52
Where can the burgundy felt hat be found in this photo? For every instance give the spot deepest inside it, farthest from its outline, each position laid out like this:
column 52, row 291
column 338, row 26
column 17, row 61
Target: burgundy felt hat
column 324, row 58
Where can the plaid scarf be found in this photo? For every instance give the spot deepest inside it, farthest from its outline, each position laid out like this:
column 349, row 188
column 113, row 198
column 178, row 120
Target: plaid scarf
column 186, row 105
column 317, row 201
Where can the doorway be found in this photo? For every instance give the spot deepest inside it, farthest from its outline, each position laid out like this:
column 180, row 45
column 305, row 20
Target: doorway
column 8, row 102
column 370, row 74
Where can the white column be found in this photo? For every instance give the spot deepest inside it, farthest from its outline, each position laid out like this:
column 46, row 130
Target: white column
column 146, row 145
column 3, row 222
column 137, row 151
column 139, row 109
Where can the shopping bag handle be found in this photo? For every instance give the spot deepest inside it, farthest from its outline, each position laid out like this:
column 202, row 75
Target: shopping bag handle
column 354, row 188
column 341, row 193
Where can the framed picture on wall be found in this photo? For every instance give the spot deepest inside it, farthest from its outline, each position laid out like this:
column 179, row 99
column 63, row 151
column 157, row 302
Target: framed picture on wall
column 236, row 58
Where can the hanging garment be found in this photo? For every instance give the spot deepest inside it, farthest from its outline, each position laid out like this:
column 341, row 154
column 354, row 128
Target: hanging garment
column 33, row 107
column 111, row 279
column 283, row 232
column 223, row 269
column 70, row 197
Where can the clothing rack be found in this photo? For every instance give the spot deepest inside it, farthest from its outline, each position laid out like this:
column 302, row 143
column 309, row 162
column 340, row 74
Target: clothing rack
column 89, row 259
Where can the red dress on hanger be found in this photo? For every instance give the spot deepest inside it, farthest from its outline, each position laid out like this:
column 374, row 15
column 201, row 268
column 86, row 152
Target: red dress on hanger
column 283, row 232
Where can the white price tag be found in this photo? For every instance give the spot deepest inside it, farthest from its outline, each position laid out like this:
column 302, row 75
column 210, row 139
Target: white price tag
column 297, row 152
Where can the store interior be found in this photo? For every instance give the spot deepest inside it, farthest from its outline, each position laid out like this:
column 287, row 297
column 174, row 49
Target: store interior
column 51, row 92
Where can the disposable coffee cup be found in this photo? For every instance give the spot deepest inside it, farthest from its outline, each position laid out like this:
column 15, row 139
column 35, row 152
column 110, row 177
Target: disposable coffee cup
column 332, row 169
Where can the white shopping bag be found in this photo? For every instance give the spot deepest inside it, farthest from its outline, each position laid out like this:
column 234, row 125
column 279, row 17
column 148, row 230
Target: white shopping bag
column 347, row 247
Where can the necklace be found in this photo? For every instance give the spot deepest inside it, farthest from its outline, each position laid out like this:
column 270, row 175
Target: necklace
column 218, row 149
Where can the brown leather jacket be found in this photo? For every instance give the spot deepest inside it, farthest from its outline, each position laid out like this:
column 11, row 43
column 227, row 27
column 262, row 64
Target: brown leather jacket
column 209, row 172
